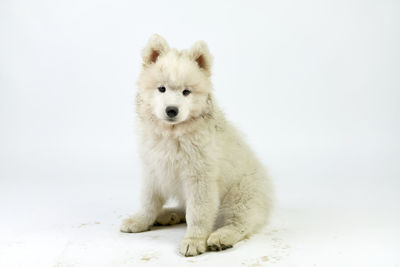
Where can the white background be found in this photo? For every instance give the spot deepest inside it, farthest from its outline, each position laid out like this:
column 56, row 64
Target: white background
column 314, row 85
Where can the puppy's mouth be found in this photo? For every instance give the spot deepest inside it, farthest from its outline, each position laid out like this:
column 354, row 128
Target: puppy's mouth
column 171, row 120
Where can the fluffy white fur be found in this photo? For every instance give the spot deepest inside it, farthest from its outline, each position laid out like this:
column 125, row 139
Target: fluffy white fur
column 198, row 158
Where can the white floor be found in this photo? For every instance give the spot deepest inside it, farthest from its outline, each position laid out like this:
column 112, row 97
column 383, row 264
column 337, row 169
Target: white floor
column 297, row 237
column 74, row 220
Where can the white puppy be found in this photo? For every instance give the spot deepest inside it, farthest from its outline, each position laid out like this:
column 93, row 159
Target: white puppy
column 191, row 153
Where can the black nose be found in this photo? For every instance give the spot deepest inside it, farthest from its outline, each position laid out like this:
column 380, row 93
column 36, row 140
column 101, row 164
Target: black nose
column 171, row 111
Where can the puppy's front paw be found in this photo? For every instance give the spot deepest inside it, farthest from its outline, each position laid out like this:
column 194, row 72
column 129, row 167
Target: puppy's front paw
column 193, row 246
column 134, row 224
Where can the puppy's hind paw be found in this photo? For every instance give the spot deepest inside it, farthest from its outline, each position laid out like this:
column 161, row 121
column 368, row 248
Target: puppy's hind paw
column 169, row 218
column 134, row 224
column 221, row 240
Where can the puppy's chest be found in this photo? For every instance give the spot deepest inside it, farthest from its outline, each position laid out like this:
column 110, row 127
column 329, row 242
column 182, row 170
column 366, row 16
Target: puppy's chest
column 169, row 158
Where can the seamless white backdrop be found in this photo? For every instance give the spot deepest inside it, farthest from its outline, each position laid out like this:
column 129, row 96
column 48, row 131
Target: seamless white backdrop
column 314, row 86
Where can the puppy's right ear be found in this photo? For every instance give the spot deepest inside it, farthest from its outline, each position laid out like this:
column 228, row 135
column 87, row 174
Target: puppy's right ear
column 155, row 47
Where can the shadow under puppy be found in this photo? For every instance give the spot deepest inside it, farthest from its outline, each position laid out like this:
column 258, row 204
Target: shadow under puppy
column 192, row 154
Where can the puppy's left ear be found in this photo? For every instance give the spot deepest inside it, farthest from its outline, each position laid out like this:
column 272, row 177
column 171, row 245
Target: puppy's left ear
column 199, row 52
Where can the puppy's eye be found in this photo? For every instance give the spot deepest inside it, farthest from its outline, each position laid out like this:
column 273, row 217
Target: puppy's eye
column 161, row 89
column 186, row 92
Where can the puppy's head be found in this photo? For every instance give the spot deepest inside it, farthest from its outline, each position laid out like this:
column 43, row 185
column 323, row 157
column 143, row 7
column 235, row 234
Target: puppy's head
column 174, row 85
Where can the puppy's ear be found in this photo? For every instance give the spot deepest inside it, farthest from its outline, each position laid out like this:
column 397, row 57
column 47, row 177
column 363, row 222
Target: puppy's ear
column 155, row 47
column 199, row 53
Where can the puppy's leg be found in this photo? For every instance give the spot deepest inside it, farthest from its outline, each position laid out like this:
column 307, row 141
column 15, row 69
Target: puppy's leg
column 201, row 208
column 245, row 208
column 152, row 203
column 170, row 216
